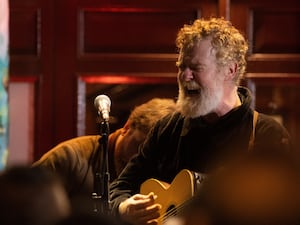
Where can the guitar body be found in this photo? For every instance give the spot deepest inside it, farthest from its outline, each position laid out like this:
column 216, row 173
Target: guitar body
column 171, row 196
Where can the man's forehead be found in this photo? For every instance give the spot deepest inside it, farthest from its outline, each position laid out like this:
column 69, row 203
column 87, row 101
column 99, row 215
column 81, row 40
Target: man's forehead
column 199, row 50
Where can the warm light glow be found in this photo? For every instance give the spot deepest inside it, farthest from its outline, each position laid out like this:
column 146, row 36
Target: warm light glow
column 127, row 79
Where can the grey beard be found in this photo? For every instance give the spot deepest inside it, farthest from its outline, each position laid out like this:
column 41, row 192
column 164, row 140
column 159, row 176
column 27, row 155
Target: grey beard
column 199, row 105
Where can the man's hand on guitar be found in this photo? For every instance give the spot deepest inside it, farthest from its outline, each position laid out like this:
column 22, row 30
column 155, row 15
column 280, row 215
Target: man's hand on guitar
column 140, row 209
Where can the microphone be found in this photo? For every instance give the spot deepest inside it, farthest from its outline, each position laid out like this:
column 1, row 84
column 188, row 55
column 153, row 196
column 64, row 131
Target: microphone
column 102, row 104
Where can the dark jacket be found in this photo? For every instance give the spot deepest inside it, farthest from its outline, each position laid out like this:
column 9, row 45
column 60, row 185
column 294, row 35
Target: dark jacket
column 178, row 143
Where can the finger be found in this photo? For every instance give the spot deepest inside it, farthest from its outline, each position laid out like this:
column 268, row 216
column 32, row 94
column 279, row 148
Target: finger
column 154, row 208
column 152, row 222
column 142, row 215
column 143, row 203
column 152, row 196
column 140, row 196
column 151, row 212
column 152, row 218
column 148, row 219
column 140, row 205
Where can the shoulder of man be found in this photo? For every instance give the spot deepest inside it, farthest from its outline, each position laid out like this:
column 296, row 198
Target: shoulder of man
column 69, row 151
column 271, row 133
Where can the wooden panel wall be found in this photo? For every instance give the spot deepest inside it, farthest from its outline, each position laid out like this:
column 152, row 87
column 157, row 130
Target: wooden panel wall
column 32, row 60
column 63, row 43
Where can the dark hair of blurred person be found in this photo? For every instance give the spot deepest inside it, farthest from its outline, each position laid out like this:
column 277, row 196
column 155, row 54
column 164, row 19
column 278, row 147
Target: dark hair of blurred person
column 31, row 196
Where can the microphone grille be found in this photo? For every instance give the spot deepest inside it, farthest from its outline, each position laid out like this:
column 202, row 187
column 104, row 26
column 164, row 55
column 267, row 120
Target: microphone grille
column 100, row 99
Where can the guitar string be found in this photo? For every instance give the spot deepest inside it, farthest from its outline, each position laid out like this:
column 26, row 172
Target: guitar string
column 172, row 212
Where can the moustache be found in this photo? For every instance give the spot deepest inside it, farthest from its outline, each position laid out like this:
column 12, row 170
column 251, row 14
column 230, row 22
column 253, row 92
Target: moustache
column 191, row 85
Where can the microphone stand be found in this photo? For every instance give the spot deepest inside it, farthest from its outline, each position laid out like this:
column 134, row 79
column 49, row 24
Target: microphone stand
column 101, row 174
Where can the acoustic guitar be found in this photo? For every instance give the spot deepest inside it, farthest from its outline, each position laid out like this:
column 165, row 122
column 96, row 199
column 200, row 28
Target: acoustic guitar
column 172, row 197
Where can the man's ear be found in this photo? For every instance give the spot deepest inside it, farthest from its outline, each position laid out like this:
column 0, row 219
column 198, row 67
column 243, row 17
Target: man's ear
column 125, row 128
column 231, row 71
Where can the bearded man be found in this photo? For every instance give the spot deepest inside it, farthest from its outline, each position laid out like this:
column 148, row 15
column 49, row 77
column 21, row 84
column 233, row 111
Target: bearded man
column 213, row 125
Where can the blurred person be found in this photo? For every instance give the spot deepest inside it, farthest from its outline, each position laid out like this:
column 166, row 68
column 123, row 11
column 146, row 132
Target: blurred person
column 32, row 196
column 76, row 160
column 213, row 124
column 256, row 190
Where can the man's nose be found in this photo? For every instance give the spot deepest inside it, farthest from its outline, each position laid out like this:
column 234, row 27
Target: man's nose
column 187, row 74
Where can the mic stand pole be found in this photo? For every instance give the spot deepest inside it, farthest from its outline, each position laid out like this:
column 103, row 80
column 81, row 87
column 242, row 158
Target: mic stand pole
column 101, row 175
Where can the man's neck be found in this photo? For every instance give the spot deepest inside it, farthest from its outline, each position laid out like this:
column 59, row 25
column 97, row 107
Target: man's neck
column 225, row 107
